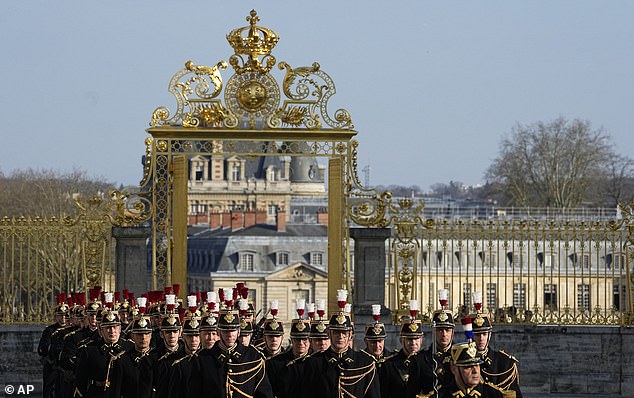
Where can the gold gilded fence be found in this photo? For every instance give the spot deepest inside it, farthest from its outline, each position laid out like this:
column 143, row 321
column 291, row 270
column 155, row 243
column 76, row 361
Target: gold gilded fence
column 43, row 256
column 546, row 271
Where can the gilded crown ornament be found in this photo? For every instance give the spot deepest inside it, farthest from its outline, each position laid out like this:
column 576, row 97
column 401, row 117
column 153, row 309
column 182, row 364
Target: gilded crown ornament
column 253, row 41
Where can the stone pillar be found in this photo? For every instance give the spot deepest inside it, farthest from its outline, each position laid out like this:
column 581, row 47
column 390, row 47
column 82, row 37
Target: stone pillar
column 369, row 273
column 132, row 258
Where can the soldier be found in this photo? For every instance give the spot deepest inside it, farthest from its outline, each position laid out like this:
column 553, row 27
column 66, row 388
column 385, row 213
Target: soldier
column 498, row 367
column 466, row 380
column 172, row 349
column 318, row 336
column 95, row 361
column 339, row 371
column 374, row 337
column 273, row 334
column 134, row 367
column 50, row 373
column 67, row 370
column 394, row 374
column 277, row 367
column 208, row 330
column 430, row 369
column 229, row 369
column 180, row 371
column 246, row 331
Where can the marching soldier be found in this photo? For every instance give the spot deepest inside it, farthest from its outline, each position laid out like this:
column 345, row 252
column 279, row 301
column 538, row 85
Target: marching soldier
column 374, row 338
column 430, row 369
column 93, row 377
column 208, row 330
column 134, row 367
column 171, row 350
column 180, row 371
column 394, row 374
column 246, row 330
column 273, row 331
column 229, row 369
column 466, row 380
column 278, row 366
column 50, row 371
column 318, row 336
column 339, row 371
column 498, row 367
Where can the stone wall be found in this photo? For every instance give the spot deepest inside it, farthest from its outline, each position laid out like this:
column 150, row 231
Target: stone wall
column 560, row 361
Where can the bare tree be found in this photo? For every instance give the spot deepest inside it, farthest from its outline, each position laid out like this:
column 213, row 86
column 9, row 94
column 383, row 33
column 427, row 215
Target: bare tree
column 551, row 164
column 618, row 184
column 46, row 192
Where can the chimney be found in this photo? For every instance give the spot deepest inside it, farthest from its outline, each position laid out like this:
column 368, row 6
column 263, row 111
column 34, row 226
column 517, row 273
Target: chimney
column 237, row 219
column 249, row 218
column 214, row 220
column 225, row 219
column 281, row 221
column 322, row 217
column 260, row 216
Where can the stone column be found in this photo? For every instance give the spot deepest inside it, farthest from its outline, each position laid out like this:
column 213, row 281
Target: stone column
column 369, row 275
column 132, row 258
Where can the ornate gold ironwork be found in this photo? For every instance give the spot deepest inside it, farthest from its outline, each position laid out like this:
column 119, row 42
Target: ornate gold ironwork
column 41, row 257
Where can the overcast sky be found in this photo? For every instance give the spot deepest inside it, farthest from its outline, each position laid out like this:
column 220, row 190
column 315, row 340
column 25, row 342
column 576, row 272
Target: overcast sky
column 432, row 86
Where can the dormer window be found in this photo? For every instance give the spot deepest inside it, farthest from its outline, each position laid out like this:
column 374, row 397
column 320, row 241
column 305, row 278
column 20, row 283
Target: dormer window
column 282, row 258
column 246, row 262
column 316, row 259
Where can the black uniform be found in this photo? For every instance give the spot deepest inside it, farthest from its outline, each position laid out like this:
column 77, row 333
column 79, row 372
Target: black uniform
column 421, row 371
column 134, row 373
column 162, row 367
column 94, row 368
column 394, row 375
column 335, row 375
column 237, row 372
column 482, row 390
column 50, row 374
column 278, row 370
column 180, row 376
column 500, row 369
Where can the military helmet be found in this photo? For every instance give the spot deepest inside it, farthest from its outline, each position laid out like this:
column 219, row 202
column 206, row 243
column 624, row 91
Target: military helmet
column 141, row 325
column 443, row 319
column 110, row 318
column 412, row 328
column 318, row 329
column 228, row 319
column 170, row 322
column 300, row 328
column 209, row 322
column 481, row 323
column 191, row 326
column 246, row 325
column 375, row 331
column 273, row 327
column 340, row 321
column 465, row 354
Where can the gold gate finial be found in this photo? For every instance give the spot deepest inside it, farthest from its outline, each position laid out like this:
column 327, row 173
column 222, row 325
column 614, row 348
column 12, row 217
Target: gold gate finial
column 253, row 41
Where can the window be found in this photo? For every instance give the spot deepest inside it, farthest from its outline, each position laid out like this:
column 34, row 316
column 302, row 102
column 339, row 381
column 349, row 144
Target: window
column 583, row 297
column 550, row 296
column 272, row 210
column 301, row 294
column 519, row 295
column 198, row 173
column 619, row 296
column 246, row 262
column 585, row 261
column 466, row 295
column 316, row 259
column 282, row 258
column 235, row 172
column 492, row 295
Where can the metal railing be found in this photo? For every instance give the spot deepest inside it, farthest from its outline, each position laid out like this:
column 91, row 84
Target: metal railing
column 530, row 272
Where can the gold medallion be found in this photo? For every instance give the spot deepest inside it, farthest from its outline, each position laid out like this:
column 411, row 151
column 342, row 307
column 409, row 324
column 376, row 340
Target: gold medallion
column 320, row 327
column 341, row 319
column 479, row 321
column 443, row 317
column 229, row 318
column 301, row 326
column 142, row 322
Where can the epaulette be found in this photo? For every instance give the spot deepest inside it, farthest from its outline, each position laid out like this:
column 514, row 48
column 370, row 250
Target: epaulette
column 58, row 330
column 300, row 359
column 505, row 393
column 179, row 360
column 391, row 356
column 167, row 354
column 71, row 333
column 510, row 356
